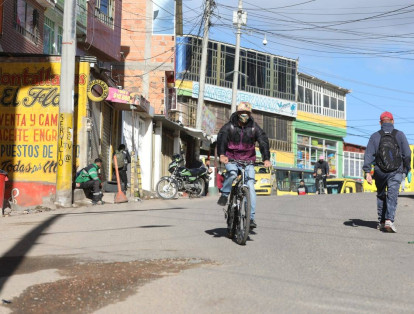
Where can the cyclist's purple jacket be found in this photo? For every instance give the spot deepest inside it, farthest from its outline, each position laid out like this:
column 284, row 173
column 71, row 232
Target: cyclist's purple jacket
column 238, row 142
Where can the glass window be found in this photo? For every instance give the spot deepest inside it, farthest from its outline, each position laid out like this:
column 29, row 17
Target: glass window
column 308, row 96
column 104, row 6
column 48, row 36
column 341, row 105
column 295, row 178
column 59, row 40
column 301, row 96
column 309, row 182
column 334, row 187
column 282, row 179
column 26, row 17
column 331, row 159
column 326, row 101
column 334, row 103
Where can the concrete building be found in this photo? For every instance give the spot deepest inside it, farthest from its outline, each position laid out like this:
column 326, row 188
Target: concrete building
column 320, row 125
column 267, row 81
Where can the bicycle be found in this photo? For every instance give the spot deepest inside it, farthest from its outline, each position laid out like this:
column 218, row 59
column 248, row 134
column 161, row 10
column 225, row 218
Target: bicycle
column 239, row 207
column 321, row 186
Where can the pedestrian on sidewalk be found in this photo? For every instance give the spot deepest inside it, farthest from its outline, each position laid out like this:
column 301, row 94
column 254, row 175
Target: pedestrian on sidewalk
column 123, row 158
column 88, row 180
column 388, row 149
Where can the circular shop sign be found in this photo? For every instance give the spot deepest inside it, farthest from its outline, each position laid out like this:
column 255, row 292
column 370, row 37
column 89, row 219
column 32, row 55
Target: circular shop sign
column 97, row 90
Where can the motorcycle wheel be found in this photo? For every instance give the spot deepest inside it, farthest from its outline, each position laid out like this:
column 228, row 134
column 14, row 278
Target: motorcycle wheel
column 201, row 187
column 166, row 188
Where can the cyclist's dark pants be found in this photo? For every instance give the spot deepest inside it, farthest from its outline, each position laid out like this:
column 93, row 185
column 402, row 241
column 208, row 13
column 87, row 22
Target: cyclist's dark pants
column 317, row 183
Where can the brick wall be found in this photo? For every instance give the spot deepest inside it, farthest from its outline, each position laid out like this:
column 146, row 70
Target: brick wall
column 12, row 40
column 133, row 43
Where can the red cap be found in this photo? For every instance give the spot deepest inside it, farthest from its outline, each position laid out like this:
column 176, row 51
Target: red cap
column 386, row 115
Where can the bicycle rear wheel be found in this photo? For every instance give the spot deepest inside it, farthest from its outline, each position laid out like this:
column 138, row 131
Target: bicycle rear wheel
column 243, row 216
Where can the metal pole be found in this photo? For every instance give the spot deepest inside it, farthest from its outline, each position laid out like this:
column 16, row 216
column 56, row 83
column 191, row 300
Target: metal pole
column 236, row 58
column 203, row 66
column 66, row 105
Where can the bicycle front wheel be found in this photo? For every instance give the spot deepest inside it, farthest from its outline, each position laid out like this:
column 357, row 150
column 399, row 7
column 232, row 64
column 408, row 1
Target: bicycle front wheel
column 231, row 216
column 243, row 216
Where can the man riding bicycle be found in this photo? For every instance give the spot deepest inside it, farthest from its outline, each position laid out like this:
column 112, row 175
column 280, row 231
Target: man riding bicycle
column 321, row 169
column 236, row 141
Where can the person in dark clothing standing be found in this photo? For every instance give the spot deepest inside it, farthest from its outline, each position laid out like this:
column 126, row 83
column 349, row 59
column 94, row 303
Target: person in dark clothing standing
column 389, row 151
column 321, row 168
column 236, row 140
column 123, row 159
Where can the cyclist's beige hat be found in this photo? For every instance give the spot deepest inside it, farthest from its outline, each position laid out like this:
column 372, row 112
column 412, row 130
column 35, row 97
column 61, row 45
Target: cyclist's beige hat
column 244, row 106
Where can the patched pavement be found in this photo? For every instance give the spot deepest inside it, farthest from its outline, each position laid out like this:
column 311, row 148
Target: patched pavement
column 311, row 254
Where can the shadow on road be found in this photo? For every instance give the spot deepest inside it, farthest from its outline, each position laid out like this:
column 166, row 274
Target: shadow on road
column 361, row 223
column 12, row 259
column 218, row 232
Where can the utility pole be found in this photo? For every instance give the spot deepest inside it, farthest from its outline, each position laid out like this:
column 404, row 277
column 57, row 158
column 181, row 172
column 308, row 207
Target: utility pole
column 66, row 105
column 203, row 65
column 239, row 20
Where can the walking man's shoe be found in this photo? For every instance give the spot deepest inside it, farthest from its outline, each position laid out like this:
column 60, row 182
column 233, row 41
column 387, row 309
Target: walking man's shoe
column 222, row 200
column 253, row 224
column 381, row 226
column 389, row 226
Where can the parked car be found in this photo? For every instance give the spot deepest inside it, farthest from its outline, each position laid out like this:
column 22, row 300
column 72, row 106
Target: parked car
column 264, row 181
column 341, row 186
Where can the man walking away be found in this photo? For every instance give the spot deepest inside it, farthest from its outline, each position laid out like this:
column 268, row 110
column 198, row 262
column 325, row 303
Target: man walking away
column 123, row 159
column 388, row 149
column 88, row 179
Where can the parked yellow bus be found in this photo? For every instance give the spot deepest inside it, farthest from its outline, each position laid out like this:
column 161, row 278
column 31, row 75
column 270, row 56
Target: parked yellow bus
column 409, row 187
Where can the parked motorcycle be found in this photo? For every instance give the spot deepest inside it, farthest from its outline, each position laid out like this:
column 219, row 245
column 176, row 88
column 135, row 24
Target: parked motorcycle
column 192, row 181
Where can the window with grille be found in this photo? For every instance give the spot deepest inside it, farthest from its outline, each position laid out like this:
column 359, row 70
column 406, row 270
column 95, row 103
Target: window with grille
column 48, row 36
column 105, row 11
column 26, row 20
column 59, row 41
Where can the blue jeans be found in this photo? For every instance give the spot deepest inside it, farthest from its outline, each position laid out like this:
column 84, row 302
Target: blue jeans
column 387, row 185
column 232, row 170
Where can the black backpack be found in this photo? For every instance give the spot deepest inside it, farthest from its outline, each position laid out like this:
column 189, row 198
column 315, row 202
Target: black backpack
column 388, row 157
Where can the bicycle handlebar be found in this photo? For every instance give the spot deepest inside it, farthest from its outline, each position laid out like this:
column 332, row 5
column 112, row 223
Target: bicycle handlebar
column 246, row 163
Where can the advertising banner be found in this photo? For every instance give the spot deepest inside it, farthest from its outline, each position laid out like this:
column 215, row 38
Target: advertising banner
column 259, row 102
column 29, row 119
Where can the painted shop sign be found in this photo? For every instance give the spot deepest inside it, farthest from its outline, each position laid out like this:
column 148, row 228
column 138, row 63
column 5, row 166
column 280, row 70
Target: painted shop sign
column 119, row 95
column 259, row 102
column 29, row 119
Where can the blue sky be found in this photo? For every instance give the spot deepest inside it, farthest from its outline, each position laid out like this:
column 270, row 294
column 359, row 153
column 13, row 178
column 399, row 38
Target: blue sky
column 365, row 46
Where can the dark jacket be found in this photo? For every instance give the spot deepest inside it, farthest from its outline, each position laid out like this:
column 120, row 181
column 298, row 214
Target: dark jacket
column 238, row 142
column 373, row 145
column 324, row 166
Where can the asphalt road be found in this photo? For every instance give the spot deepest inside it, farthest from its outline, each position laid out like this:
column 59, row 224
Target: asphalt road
column 309, row 254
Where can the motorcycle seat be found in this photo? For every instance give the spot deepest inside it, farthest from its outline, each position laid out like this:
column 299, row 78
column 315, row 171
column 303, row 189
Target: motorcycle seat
column 197, row 171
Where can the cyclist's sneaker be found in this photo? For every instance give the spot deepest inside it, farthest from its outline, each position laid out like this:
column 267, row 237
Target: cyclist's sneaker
column 253, row 224
column 380, row 226
column 389, row 226
column 98, row 202
column 222, row 200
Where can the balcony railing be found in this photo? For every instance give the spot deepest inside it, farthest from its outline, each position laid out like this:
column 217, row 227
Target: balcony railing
column 327, row 112
column 104, row 18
